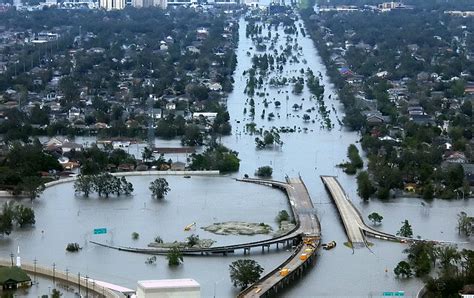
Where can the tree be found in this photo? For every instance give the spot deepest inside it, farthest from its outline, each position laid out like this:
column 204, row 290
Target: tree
column 135, row 236
column 428, row 192
column 403, row 269
column 364, row 186
column 405, row 230
column 422, row 257
column 465, row 224
column 147, row 154
column 73, row 247
column 159, row 188
column 6, row 219
column 192, row 240
column 306, row 117
column 83, row 184
column 244, row 272
column 265, row 171
column 33, row 186
column 375, row 218
column 282, row 216
column 174, row 257
column 56, row 293
column 24, row 215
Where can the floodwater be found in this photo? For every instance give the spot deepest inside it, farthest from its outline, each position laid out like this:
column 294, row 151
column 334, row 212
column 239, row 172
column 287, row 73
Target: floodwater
column 63, row 217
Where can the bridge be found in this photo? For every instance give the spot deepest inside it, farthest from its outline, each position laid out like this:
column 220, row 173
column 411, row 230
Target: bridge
column 305, row 237
column 355, row 227
column 309, row 229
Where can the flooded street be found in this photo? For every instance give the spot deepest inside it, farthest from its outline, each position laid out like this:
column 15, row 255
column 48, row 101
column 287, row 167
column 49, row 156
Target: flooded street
column 63, row 217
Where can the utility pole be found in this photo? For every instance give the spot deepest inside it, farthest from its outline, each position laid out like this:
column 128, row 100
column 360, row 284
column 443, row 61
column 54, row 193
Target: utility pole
column 54, row 274
column 79, row 283
column 87, row 286
column 34, row 262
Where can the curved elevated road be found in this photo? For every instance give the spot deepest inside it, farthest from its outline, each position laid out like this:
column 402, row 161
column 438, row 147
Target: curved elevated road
column 308, row 228
column 306, row 236
column 301, row 207
column 355, row 227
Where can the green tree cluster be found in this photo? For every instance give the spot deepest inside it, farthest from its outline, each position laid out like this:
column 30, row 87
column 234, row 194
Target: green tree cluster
column 103, row 184
column 265, row 171
column 216, row 157
column 355, row 161
column 12, row 213
column 159, row 188
column 244, row 272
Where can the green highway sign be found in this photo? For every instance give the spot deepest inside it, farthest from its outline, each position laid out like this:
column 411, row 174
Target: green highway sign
column 100, row 231
column 391, row 294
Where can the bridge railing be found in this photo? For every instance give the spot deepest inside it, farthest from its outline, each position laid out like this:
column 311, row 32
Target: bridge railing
column 254, row 286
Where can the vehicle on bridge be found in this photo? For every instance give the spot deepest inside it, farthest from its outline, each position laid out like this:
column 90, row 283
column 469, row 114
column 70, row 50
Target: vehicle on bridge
column 330, row 245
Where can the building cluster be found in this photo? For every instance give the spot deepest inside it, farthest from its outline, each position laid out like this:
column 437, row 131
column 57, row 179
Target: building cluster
column 382, row 7
column 112, row 4
column 459, row 13
column 424, row 97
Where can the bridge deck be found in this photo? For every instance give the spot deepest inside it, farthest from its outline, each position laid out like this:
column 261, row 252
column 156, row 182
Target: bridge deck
column 351, row 219
column 309, row 228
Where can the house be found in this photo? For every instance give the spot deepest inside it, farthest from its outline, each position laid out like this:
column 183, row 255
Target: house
column 467, row 291
column 455, row 157
column 469, row 172
column 206, row 115
column 170, row 106
column 68, row 146
column 178, row 166
column 422, row 120
column 410, row 187
column 214, row 87
column 376, row 118
column 13, row 278
column 156, row 114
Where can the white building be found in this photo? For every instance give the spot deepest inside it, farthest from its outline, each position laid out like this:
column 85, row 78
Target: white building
column 169, row 288
column 112, row 4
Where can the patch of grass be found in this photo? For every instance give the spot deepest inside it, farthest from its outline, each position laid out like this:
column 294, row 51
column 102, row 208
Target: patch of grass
column 348, row 244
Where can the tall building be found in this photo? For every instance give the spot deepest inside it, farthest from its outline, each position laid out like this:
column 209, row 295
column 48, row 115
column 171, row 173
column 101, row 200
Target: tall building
column 17, row 3
column 112, row 4
column 160, row 3
column 149, row 3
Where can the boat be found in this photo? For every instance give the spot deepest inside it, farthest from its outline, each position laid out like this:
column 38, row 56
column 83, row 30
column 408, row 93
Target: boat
column 188, row 227
column 329, row 245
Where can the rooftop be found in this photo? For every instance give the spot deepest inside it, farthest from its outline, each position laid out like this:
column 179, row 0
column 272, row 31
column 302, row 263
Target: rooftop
column 168, row 283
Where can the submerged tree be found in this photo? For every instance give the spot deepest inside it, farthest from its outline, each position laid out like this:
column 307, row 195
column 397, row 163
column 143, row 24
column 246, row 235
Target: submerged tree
column 405, row 230
column 159, row 188
column 375, row 218
column 403, row 269
column 244, row 272
column 174, row 257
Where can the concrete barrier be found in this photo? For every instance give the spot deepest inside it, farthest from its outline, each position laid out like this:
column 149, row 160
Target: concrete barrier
column 85, row 284
column 141, row 173
column 7, row 195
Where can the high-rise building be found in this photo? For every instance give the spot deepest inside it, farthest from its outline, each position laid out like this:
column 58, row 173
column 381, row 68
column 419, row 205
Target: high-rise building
column 160, row 3
column 112, row 4
column 149, row 3
column 17, row 3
